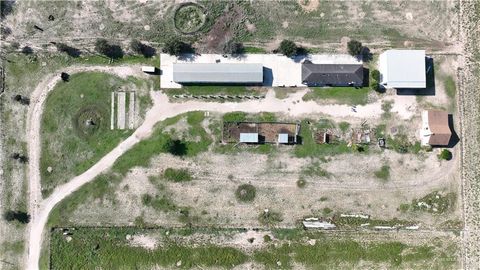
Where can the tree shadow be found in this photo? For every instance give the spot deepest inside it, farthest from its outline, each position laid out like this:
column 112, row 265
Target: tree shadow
column 73, row 52
column 454, row 139
column 114, row 51
column 300, row 55
column 366, row 55
column 366, row 77
column 27, row 50
column 148, row 51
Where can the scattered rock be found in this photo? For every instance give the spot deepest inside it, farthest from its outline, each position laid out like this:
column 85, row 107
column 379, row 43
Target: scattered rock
column 409, row 16
column 285, row 24
column 128, row 237
column 179, row 263
column 49, row 169
column 146, row 27
column 81, row 95
column 279, row 263
column 68, row 238
column 312, row 242
column 44, row 64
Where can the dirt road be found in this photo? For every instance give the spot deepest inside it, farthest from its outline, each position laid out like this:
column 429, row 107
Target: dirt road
column 162, row 109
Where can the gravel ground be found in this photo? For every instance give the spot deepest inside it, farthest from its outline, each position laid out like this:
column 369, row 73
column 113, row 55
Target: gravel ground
column 469, row 111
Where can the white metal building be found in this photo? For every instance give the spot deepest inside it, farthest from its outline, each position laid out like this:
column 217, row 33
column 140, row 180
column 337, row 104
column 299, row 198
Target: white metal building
column 403, row 69
column 224, row 73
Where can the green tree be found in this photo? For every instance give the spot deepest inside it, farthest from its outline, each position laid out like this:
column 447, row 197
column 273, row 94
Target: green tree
column 354, row 47
column 174, row 46
column 445, row 155
column 288, row 48
column 374, row 85
column 101, row 45
column 232, row 47
column 136, row 46
column 376, row 75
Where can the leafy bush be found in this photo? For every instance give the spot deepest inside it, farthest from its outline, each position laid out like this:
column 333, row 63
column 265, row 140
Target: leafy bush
column 174, row 46
column 383, row 173
column 344, row 126
column 376, row 75
column 374, row 85
column 288, row 48
column 177, row 175
column 301, row 183
column 141, row 48
column 232, row 47
column 354, row 47
column 269, row 218
column 445, row 155
column 245, row 193
column 234, row 117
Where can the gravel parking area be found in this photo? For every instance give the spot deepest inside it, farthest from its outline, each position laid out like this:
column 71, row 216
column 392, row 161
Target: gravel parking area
column 279, row 70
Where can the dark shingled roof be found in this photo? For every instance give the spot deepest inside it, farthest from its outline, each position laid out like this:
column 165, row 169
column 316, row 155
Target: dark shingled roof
column 332, row 74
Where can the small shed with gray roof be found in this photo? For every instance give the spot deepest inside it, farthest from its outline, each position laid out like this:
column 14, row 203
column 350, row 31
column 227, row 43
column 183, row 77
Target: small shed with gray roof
column 218, row 73
column 332, row 74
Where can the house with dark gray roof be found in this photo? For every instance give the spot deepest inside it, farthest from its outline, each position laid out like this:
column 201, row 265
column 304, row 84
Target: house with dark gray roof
column 332, row 74
column 218, row 73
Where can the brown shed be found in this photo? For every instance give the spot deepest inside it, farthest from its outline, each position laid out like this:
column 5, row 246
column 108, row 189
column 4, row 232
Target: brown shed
column 438, row 127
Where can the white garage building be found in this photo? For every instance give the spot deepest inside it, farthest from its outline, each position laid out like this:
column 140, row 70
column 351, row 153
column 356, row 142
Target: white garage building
column 403, row 69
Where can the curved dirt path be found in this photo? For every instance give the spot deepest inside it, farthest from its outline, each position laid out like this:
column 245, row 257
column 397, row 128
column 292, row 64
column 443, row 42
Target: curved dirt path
column 162, row 109
column 34, row 117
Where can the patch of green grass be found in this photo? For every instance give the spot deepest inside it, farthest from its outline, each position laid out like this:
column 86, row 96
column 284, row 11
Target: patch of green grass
column 14, row 247
column 159, row 142
column 401, row 144
column 434, row 203
column 450, row 87
column 344, row 126
column 99, row 188
column 326, row 211
column 384, row 173
column 250, row 49
column 230, row 90
column 386, row 108
column 309, row 148
column 109, row 249
column 242, row 117
column 235, row 117
column 245, row 193
column 69, row 147
column 282, row 92
column 314, row 170
column 339, row 95
column 158, row 202
column 270, row 218
column 177, row 175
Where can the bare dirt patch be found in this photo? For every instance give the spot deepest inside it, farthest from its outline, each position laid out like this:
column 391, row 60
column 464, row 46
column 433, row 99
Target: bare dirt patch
column 309, row 5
